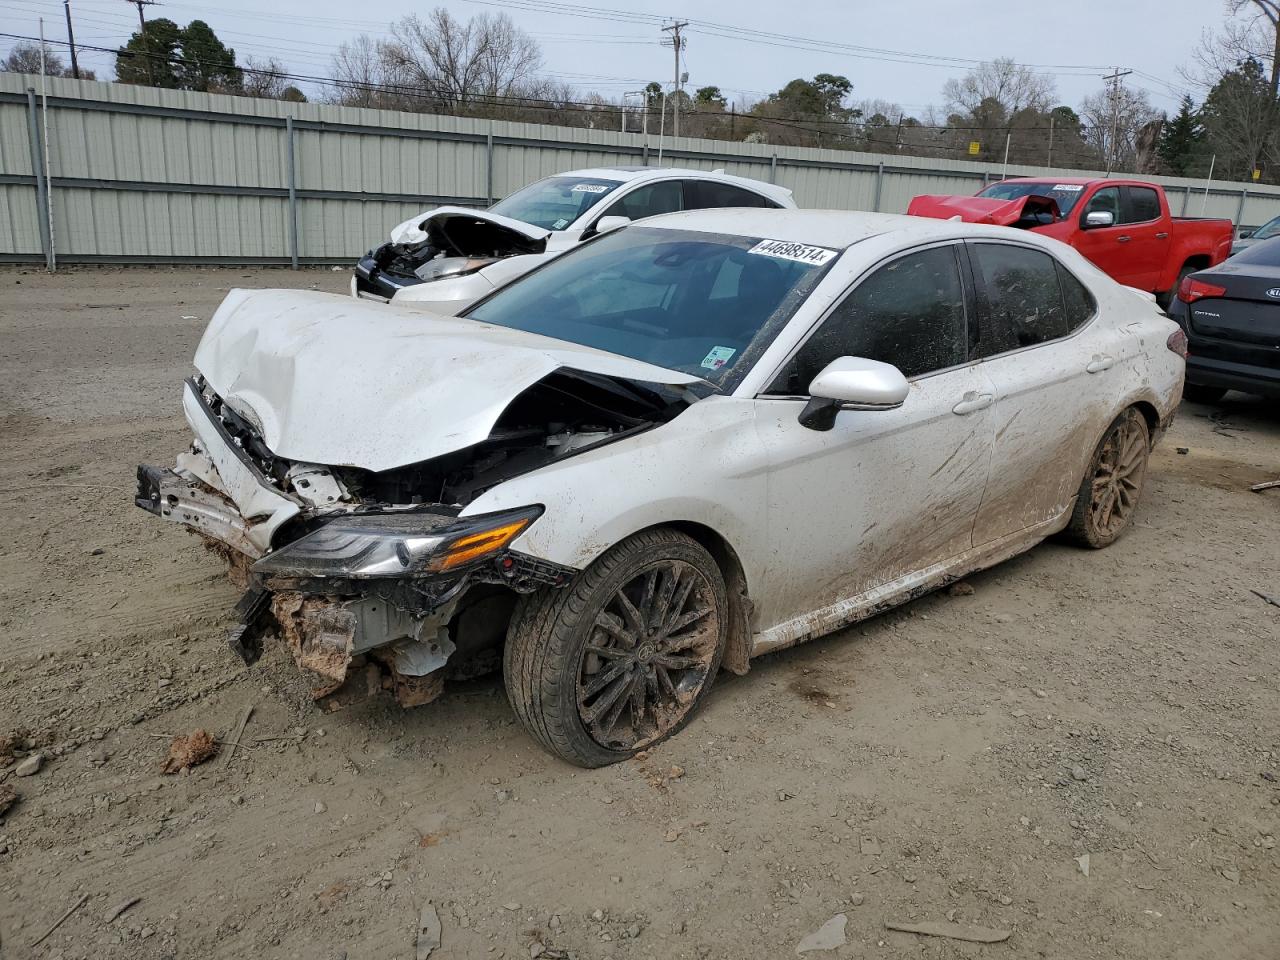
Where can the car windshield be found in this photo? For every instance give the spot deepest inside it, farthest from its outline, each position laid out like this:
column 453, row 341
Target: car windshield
column 556, row 202
column 1269, row 229
column 1067, row 194
column 700, row 303
column 1265, row 254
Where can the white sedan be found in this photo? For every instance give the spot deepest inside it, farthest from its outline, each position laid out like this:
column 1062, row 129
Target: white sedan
column 682, row 445
column 447, row 258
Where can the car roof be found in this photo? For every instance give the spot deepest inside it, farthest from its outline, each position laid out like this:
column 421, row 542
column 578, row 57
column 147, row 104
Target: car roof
column 834, row 229
column 628, row 174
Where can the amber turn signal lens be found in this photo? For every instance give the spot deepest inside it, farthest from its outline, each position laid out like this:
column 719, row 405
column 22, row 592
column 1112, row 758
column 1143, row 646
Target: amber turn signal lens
column 479, row 544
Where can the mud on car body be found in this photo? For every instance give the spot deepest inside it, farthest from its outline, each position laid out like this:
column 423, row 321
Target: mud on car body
column 682, row 444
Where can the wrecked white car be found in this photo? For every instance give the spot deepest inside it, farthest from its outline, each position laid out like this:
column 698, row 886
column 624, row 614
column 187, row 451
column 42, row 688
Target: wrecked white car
column 677, row 447
column 447, row 258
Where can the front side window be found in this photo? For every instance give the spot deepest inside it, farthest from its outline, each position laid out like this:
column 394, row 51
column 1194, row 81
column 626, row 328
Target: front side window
column 1106, row 200
column 1144, row 205
column 1269, row 229
column 909, row 313
column 1019, row 297
column 650, row 200
column 701, row 303
column 709, row 194
column 555, row 202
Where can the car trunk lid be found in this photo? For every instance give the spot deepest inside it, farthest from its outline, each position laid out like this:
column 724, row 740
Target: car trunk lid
column 1247, row 313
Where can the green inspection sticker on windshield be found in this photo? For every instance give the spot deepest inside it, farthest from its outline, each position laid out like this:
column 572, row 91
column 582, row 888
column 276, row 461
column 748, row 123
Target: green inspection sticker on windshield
column 718, row 357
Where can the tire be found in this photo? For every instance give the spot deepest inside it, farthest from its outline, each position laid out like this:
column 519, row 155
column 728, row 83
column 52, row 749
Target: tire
column 1165, row 300
column 1199, row 393
column 558, row 683
column 1112, row 486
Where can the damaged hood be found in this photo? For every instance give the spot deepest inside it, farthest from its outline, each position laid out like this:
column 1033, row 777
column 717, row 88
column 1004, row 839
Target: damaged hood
column 1001, row 213
column 331, row 380
column 414, row 230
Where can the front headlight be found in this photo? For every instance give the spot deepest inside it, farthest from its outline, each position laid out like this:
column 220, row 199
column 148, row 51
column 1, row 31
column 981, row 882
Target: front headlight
column 443, row 267
column 396, row 545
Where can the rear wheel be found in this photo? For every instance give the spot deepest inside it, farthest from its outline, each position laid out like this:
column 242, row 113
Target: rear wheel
column 1199, row 393
column 1165, row 300
column 623, row 657
column 1110, row 490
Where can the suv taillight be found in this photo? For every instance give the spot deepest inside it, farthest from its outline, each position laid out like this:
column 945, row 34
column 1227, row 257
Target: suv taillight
column 1191, row 290
column 1177, row 342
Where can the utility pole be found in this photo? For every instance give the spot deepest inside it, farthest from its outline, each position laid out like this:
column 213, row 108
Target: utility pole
column 142, row 21
column 1114, row 79
column 71, row 40
column 142, row 29
column 677, row 44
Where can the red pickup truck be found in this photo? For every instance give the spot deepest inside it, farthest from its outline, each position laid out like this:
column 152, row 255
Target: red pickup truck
column 1123, row 226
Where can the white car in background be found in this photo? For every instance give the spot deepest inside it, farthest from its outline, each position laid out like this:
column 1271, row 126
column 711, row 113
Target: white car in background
column 683, row 444
column 447, row 258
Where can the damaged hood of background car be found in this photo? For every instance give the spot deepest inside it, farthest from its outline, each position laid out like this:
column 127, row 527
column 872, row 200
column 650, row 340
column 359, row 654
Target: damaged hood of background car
column 1002, row 213
column 418, row 229
column 330, row 380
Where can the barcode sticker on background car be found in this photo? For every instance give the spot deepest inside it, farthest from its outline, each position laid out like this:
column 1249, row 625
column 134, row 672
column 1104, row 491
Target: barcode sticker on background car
column 718, row 357
column 1068, row 187
column 588, row 188
column 785, row 250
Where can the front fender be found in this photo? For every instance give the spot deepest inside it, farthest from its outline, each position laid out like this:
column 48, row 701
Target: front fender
column 707, row 466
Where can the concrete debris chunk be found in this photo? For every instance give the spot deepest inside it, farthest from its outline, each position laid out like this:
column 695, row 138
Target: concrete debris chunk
column 428, row 931
column 829, row 936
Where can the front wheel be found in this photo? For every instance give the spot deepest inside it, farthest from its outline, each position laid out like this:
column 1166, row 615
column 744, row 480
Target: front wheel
column 623, row 657
column 1109, row 493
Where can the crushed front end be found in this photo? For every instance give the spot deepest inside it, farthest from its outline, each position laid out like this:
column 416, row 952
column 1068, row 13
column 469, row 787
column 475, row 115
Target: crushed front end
column 372, row 584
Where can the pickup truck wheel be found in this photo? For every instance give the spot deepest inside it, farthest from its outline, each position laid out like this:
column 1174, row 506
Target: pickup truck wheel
column 1109, row 493
column 1199, row 393
column 622, row 657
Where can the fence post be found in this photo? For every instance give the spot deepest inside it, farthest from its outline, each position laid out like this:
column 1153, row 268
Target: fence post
column 489, row 164
column 293, row 194
column 1186, row 199
column 42, row 185
column 1244, row 197
column 773, row 169
column 879, row 184
column 646, row 153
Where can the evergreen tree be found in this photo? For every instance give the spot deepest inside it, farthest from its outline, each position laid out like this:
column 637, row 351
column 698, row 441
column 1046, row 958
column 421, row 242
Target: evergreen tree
column 1181, row 140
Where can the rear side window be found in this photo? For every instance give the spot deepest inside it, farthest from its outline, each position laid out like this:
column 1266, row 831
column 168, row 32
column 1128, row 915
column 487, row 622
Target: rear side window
column 705, row 194
column 1019, row 297
column 909, row 313
column 1076, row 299
column 1144, row 205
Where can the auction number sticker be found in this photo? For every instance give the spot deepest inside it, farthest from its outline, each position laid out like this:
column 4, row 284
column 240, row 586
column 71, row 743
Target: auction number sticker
column 1068, row 187
column 588, row 188
column 800, row 252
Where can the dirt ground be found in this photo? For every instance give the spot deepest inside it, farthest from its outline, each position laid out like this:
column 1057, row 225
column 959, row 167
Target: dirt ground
column 950, row 760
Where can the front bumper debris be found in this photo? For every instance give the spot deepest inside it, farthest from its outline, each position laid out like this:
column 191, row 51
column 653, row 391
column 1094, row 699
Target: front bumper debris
column 196, row 505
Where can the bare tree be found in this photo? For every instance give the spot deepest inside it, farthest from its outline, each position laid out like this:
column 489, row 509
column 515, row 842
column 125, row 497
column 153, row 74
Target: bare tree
column 1011, row 85
column 456, row 62
column 1126, row 113
column 267, row 79
column 25, row 58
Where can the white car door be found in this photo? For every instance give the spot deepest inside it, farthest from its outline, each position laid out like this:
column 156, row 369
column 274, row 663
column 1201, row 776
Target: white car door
column 883, row 494
column 1057, row 377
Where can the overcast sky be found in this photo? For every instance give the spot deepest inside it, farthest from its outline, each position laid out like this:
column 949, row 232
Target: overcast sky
column 614, row 52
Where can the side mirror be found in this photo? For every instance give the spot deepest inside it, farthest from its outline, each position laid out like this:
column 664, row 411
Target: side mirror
column 605, row 224
column 1245, row 234
column 853, row 383
column 1099, row 218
